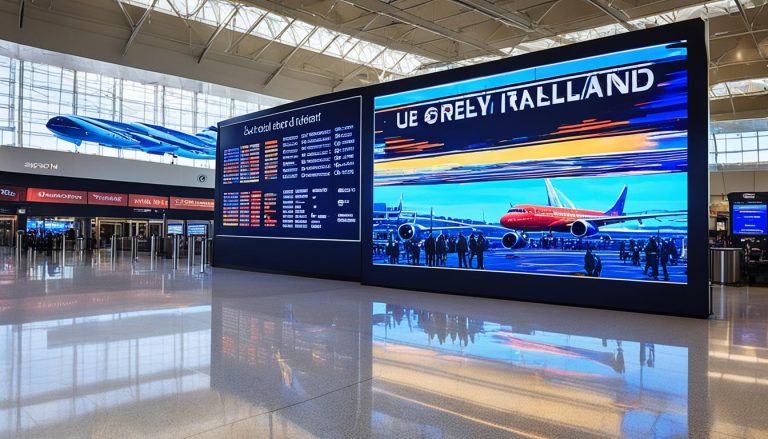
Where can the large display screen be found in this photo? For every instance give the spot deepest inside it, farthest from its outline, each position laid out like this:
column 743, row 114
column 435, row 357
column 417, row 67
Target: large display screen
column 576, row 168
column 294, row 174
column 750, row 219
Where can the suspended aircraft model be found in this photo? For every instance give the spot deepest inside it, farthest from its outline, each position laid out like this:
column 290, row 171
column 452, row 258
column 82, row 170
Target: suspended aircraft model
column 152, row 139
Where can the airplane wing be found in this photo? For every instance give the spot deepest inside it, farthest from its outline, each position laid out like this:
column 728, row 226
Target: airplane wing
column 605, row 220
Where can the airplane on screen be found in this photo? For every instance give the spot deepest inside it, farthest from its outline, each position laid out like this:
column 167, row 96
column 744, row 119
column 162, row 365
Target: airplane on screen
column 560, row 215
column 152, row 139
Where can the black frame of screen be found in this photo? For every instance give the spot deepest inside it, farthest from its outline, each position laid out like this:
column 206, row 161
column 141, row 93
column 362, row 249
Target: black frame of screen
column 323, row 258
column 691, row 299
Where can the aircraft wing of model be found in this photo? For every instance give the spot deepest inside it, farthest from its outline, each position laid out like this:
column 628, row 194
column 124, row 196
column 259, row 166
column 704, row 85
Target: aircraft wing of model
column 606, row 220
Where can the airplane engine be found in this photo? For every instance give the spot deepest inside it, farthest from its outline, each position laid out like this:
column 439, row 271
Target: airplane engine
column 513, row 240
column 406, row 232
column 583, row 228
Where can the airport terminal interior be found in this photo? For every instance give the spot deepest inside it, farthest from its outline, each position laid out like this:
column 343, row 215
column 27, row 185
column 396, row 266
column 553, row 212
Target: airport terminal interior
column 363, row 218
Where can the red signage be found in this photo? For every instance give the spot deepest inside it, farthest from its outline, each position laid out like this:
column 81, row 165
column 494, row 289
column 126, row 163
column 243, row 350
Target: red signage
column 11, row 193
column 152, row 201
column 192, row 203
column 57, row 196
column 107, row 199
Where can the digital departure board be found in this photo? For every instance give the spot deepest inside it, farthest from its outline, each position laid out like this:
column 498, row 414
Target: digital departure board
column 293, row 174
column 750, row 219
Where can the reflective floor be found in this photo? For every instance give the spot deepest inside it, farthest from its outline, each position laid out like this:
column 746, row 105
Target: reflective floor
column 92, row 348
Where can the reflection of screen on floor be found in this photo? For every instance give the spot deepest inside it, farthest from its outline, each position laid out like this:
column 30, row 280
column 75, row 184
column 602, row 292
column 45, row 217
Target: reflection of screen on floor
column 552, row 170
column 750, row 219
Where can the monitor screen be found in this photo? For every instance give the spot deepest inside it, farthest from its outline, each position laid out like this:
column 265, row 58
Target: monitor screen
column 750, row 219
column 197, row 229
column 175, row 228
column 293, row 174
column 48, row 225
column 577, row 168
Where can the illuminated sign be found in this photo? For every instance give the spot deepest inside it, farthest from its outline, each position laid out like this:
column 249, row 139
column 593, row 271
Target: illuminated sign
column 147, row 201
column 175, row 228
column 56, row 196
column 11, row 193
column 197, row 229
column 38, row 165
column 107, row 199
column 192, row 203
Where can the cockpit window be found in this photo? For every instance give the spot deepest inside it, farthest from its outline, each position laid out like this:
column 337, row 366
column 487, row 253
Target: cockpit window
column 516, row 210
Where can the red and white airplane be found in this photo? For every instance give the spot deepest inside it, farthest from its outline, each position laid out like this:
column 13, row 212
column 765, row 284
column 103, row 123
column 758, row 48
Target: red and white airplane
column 563, row 216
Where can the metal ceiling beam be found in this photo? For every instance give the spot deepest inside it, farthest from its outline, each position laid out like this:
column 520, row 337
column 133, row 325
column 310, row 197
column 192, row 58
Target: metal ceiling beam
column 386, row 9
column 242, row 36
column 224, row 23
column 256, row 55
column 22, row 4
column 497, row 13
column 617, row 14
column 127, row 15
column 748, row 26
column 318, row 20
column 288, row 57
column 137, row 27
column 399, row 15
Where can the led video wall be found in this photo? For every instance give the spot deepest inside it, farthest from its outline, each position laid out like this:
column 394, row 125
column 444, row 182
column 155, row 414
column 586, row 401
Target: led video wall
column 576, row 168
column 567, row 176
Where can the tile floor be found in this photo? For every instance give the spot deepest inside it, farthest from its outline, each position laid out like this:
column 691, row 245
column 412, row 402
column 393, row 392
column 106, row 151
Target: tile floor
column 95, row 349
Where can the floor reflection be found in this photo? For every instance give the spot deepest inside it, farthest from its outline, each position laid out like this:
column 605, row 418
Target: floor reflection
column 507, row 375
column 102, row 349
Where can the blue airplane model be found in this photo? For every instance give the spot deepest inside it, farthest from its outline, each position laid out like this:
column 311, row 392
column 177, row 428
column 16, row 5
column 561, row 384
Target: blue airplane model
column 152, row 139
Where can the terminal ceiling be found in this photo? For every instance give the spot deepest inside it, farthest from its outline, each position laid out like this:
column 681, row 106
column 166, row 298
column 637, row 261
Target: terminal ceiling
column 330, row 45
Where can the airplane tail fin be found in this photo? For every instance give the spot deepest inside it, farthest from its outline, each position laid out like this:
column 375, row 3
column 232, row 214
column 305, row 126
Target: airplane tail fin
column 552, row 198
column 618, row 206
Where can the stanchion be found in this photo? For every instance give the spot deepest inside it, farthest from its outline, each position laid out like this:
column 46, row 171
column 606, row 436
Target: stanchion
column 134, row 248
column 203, row 254
column 190, row 252
column 80, row 244
column 113, row 247
column 19, row 244
column 175, row 252
column 152, row 250
column 63, row 243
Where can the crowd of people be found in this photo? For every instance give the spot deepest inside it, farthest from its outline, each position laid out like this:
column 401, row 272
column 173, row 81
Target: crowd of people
column 659, row 253
column 656, row 253
column 436, row 249
column 46, row 240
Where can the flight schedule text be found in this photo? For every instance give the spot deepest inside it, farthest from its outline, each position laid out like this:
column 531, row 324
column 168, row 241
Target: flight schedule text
column 294, row 174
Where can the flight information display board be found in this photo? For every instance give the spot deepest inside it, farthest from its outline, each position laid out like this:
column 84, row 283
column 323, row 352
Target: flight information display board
column 750, row 219
column 293, row 174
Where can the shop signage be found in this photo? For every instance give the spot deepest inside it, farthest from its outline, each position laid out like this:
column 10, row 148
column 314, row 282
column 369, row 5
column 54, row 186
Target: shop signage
column 147, row 201
column 39, row 165
column 11, row 193
column 57, row 196
column 107, row 199
column 192, row 203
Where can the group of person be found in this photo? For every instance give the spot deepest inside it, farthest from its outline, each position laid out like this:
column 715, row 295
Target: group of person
column 436, row 250
column 658, row 253
column 45, row 240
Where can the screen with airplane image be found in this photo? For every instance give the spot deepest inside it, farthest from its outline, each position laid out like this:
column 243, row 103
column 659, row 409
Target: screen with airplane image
column 576, row 168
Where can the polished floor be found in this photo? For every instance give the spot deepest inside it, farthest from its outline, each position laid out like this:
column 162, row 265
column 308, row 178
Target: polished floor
column 95, row 348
